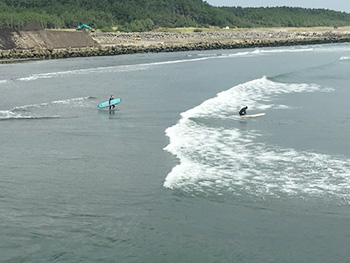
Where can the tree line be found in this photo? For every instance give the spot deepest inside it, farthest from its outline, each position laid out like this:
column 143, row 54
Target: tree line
column 145, row 15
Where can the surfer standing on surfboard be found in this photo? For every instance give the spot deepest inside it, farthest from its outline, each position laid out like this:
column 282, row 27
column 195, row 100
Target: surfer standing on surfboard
column 113, row 106
column 243, row 111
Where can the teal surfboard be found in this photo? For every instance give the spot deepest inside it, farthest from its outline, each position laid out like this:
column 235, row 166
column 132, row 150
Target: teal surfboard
column 106, row 103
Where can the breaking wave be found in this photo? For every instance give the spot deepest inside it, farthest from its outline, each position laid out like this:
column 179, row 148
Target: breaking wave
column 225, row 160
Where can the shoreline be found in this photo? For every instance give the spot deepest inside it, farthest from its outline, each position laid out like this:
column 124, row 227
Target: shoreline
column 111, row 44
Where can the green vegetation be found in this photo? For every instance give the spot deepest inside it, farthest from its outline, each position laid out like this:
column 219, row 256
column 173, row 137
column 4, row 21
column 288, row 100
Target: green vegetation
column 145, row 15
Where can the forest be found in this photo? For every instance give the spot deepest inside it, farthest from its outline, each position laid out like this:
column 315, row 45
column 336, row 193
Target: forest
column 146, row 15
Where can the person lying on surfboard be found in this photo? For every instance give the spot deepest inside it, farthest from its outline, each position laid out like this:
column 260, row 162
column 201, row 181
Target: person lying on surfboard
column 113, row 106
column 243, row 111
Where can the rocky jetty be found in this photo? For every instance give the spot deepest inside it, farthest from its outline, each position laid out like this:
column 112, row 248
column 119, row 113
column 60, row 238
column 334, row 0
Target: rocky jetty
column 167, row 38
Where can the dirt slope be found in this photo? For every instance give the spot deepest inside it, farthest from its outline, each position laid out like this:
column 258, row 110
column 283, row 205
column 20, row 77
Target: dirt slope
column 44, row 39
column 6, row 41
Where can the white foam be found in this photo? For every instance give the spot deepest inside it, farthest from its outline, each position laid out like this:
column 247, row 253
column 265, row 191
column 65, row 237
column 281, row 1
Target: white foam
column 344, row 58
column 257, row 94
column 10, row 115
column 75, row 102
column 34, row 111
column 109, row 69
column 4, row 115
column 284, row 50
column 220, row 160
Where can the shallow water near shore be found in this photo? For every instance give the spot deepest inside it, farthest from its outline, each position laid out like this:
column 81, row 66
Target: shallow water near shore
column 173, row 174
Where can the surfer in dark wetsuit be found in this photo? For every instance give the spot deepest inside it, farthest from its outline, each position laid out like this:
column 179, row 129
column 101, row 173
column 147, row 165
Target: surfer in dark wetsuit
column 111, row 106
column 243, row 111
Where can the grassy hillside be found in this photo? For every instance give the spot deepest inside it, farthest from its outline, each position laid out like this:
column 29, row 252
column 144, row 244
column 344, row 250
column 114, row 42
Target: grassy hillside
column 144, row 15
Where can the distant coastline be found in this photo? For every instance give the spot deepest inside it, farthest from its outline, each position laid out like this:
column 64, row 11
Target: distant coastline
column 107, row 44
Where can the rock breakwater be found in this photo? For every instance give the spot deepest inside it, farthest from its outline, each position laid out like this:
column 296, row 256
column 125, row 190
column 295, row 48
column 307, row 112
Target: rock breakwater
column 168, row 38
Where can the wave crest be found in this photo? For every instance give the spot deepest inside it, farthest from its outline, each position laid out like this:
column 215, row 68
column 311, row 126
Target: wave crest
column 218, row 158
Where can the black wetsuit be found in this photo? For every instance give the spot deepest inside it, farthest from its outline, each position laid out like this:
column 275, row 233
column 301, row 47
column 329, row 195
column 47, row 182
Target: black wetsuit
column 243, row 111
column 110, row 103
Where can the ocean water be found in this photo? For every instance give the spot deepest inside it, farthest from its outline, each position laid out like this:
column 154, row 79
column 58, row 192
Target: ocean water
column 174, row 174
